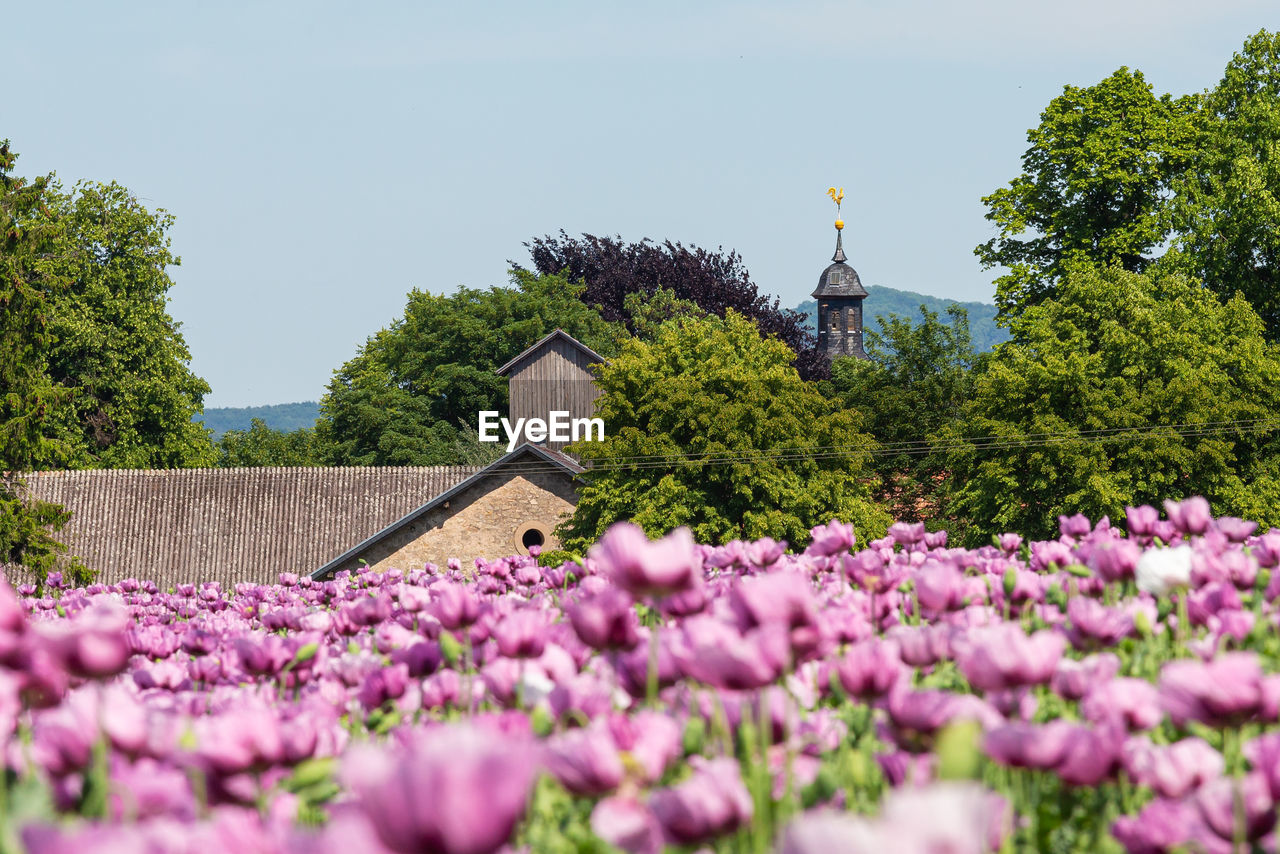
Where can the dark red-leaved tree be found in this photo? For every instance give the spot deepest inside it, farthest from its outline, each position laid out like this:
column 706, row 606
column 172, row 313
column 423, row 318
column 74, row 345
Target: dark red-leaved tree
column 611, row 269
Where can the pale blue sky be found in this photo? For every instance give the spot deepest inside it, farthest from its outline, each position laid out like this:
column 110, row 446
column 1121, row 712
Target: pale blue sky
column 324, row 158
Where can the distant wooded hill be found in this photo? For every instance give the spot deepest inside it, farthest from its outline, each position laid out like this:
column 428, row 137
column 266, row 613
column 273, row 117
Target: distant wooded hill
column 278, row 416
column 881, row 301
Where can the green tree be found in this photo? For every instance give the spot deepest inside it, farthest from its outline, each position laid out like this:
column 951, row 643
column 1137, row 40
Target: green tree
column 260, row 445
column 1094, row 187
column 645, row 313
column 1125, row 389
column 29, row 236
column 412, row 394
column 917, row 380
column 1227, row 207
column 749, row 442
column 112, row 343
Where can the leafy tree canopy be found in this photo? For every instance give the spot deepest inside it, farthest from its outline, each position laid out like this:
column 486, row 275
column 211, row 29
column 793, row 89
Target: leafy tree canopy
column 29, row 235
column 1126, row 389
column 715, row 281
column 1227, row 207
column 917, row 380
column 712, row 387
column 412, row 394
column 1094, row 187
column 112, row 343
column 260, row 445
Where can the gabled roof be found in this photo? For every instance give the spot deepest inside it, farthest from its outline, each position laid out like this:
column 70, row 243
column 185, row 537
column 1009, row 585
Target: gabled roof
column 545, row 458
column 190, row 526
column 558, row 333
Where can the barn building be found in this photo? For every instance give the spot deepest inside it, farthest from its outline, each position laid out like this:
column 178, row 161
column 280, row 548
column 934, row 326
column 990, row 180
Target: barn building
column 189, row 526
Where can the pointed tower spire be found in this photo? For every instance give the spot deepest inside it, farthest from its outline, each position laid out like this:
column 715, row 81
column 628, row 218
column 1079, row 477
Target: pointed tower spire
column 837, row 196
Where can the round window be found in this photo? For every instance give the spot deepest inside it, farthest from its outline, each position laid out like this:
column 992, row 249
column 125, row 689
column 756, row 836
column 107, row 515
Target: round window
column 531, row 535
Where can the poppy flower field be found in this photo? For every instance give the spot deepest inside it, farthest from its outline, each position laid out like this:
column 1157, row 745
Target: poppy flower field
column 1109, row 690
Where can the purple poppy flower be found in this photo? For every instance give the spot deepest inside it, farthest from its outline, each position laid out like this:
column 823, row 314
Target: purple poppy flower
column 1094, row 624
column 442, row 689
column 784, row 599
column 711, row 803
column 1141, row 522
column 1266, row 548
column 1227, row 690
column 1220, row 799
column 765, row 552
column 63, row 737
column 521, row 634
column 1026, row 745
column 921, row 646
column 1075, row 527
column 627, row 824
column 1003, row 656
column 870, row 668
column 1009, row 543
column 1072, row 679
column 1235, row 530
column 651, row 738
column 868, row 571
column 633, row 667
column 454, row 605
column 94, row 645
column 833, row 538
column 715, row 653
column 1115, row 560
column 1161, row 827
column 585, row 761
column 1191, row 516
column 686, row 603
column 901, row 767
column 124, row 720
column 387, row 683
column 940, row 586
column 1133, row 702
column 1091, row 754
column 906, row 533
column 606, row 620
column 1173, row 770
column 1046, row 555
column 917, row 715
column 643, row 568
column 935, row 539
column 453, row 790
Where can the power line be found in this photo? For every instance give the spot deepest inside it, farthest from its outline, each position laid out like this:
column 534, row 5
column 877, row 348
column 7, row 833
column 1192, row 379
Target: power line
column 920, row 447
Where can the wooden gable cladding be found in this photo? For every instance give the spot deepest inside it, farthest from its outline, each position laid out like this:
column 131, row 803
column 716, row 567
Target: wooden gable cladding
column 552, row 375
column 230, row 525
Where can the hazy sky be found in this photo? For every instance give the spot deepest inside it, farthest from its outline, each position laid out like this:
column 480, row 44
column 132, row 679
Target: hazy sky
column 322, row 159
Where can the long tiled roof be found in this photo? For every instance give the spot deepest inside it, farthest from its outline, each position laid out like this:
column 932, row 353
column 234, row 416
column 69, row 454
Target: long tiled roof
column 230, row 525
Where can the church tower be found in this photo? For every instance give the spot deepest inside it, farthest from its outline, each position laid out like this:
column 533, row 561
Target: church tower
column 840, row 295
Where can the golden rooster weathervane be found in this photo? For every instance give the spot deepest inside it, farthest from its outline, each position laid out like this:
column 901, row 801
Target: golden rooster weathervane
column 837, row 196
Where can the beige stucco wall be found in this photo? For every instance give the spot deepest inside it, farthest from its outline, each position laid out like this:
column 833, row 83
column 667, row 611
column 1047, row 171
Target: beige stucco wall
column 486, row 520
